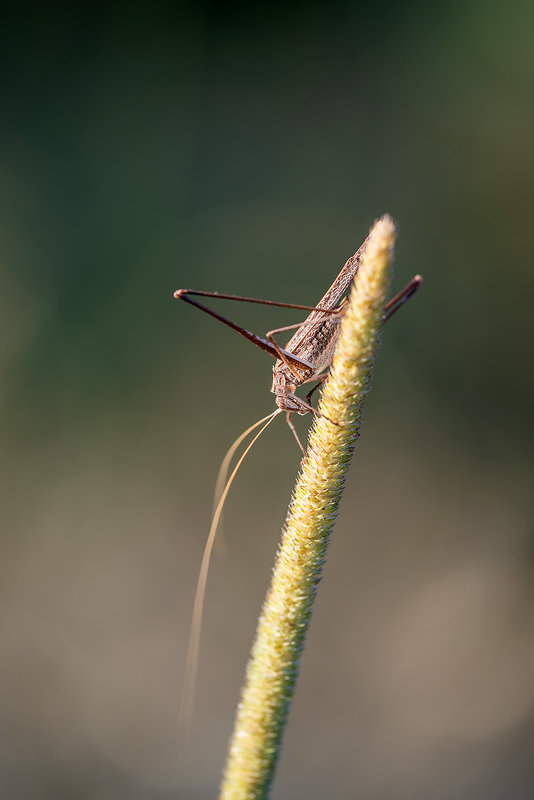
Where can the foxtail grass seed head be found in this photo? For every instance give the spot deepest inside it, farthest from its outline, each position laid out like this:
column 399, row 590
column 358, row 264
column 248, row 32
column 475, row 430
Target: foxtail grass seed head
column 274, row 661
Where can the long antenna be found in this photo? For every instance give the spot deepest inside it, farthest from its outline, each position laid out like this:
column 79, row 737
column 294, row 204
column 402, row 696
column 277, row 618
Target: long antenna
column 225, row 463
column 223, row 475
column 191, row 663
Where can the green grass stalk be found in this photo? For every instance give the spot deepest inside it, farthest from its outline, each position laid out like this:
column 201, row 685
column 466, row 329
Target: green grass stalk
column 273, row 667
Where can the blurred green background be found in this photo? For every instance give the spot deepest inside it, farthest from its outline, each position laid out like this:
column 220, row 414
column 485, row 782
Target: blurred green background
column 247, row 149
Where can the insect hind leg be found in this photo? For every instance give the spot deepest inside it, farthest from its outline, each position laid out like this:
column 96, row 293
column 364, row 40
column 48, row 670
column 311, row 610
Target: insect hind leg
column 396, row 302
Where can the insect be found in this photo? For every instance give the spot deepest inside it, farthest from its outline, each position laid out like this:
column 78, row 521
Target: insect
column 306, row 358
column 308, row 354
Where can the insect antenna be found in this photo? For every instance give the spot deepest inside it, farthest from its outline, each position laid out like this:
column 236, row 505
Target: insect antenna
column 191, row 663
column 223, row 475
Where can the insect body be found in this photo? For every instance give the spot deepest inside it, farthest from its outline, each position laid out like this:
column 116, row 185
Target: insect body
column 311, row 348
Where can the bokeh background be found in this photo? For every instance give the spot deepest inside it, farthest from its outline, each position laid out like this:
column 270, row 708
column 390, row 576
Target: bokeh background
column 247, row 148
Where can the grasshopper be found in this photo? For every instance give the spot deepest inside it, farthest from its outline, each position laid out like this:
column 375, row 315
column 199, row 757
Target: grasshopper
column 308, row 354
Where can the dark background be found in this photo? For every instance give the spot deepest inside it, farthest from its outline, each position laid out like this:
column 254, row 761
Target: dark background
column 248, row 149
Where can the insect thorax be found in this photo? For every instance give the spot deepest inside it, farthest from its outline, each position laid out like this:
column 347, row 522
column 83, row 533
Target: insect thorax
column 286, row 380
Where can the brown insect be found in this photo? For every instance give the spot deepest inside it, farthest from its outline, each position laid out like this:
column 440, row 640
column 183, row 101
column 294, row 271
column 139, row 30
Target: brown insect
column 308, row 354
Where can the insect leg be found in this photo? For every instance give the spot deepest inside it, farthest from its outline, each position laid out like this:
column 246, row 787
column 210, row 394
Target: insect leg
column 282, row 354
column 322, row 379
column 294, row 432
column 269, row 347
column 181, row 293
column 396, row 302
